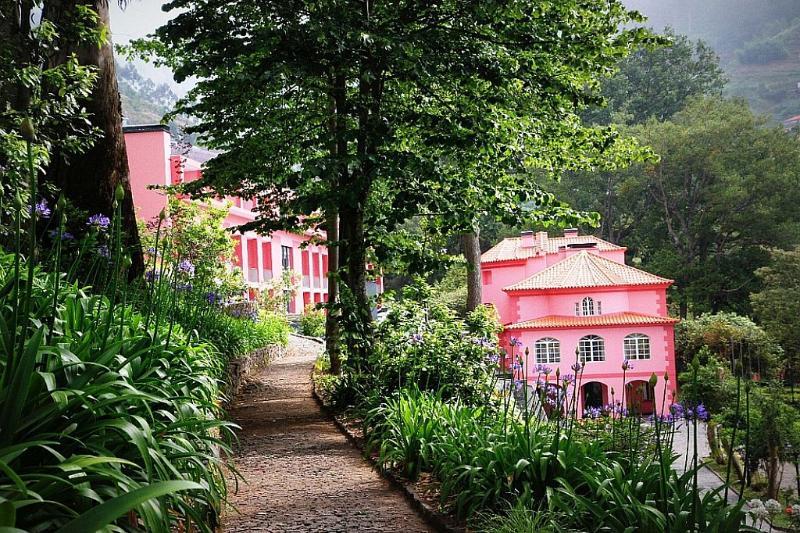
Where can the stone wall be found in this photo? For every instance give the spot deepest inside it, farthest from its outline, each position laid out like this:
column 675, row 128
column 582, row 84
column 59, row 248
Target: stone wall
column 242, row 367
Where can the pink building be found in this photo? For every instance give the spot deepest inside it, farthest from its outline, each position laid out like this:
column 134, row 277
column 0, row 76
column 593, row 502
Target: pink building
column 573, row 298
column 261, row 258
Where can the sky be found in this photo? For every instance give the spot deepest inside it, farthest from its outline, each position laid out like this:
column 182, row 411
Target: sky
column 138, row 19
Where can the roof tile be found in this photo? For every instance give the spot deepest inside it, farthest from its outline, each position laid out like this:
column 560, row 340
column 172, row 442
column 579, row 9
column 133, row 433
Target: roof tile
column 611, row 319
column 586, row 269
column 511, row 249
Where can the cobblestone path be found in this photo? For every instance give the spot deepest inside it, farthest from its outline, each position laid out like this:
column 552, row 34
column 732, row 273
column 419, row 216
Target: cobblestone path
column 300, row 473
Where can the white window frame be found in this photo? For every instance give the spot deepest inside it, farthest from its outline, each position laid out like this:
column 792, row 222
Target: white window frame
column 592, row 348
column 547, row 350
column 587, row 306
column 636, row 346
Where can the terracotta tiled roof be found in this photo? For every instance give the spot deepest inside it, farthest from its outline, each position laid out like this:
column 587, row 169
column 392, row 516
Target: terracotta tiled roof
column 585, row 269
column 511, row 249
column 611, row 319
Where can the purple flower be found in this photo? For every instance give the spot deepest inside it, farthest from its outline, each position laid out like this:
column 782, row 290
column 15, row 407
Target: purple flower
column 515, row 342
column 493, row 358
column 568, row 378
column 186, row 267
column 184, row 287
column 66, row 236
column 103, row 251
column 99, row 222
column 516, row 366
column 151, row 275
column 627, row 365
column 576, row 367
column 701, row 412
column 213, row 298
column 416, row 338
column 677, row 410
column 518, row 384
column 42, row 209
column 593, row 412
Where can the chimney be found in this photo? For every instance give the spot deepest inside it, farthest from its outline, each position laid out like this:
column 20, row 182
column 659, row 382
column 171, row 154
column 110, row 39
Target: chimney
column 541, row 238
column 571, row 232
column 528, row 240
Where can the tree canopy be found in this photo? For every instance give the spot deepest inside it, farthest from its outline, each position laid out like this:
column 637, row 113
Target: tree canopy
column 353, row 109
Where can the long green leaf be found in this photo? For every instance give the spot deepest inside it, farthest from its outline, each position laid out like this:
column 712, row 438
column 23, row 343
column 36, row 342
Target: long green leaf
column 104, row 514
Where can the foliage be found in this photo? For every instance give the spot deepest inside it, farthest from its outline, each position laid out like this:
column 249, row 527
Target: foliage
column 657, row 82
column 103, row 413
column 425, row 345
column 728, row 337
column 451, row 290
column 376, row 105
column 189, row 250
column 31, row 86
column 714, row 386
column 704, row 212
column 777, row 304
column 487, row 463
column 312, row 323
column 762, row 51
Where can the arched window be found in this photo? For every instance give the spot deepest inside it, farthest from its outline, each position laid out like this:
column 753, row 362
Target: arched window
column 591, row 348
column 587, row 306
column 548, row 350
column 636, row 346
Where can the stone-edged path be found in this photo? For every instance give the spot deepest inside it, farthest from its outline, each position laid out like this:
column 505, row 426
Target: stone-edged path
column 300, row 473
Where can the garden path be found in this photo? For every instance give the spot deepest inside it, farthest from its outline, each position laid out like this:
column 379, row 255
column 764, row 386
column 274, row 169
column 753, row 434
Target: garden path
column 683, row 445
column 300, row 473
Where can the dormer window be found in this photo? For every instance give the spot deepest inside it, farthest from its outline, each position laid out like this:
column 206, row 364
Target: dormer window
column 587, row 307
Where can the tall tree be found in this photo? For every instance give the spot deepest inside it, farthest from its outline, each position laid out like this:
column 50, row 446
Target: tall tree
column 655, row 82
column 777, row 305
column 91, row 179
column 724, row 188
column 344, row 106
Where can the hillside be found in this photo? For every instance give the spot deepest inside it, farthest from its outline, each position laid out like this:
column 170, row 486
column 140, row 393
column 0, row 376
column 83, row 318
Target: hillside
column 143, row 101
column 758, row 42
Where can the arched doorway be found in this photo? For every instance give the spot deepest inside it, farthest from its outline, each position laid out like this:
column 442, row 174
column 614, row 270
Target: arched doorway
column 594, row 395
column 640, row 398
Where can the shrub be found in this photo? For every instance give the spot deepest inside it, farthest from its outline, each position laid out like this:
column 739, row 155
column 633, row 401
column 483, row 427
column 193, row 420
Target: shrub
column 428, row 347
column 729, row 337
column 312, row 323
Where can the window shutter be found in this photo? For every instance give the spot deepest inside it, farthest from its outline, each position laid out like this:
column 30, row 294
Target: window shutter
column 577, row 309
column 599, row 307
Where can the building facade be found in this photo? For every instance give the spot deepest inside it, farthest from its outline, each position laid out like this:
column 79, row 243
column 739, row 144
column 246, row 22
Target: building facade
column 152, row 161
column 572, row 299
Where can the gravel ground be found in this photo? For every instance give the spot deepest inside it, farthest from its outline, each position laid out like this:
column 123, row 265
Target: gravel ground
column 300, row 473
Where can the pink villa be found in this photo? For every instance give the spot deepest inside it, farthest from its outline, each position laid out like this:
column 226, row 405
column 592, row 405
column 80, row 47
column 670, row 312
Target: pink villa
column 572, row 298
column 152, row 161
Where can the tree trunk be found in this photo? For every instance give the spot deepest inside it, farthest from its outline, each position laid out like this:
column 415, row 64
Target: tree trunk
column 472, row 253
column 356, row 317
column 90, row 180
column 332, row 318
column 773, row 465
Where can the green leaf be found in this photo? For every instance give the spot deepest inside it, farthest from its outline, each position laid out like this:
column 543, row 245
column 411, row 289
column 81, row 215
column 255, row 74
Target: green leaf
column 104, row 514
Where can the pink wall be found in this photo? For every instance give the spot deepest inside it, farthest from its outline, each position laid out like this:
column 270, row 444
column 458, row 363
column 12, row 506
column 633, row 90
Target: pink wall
column 148, row 151
column 151, row 163
column 608, row 372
